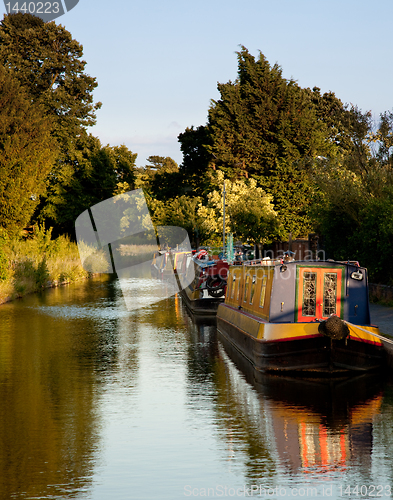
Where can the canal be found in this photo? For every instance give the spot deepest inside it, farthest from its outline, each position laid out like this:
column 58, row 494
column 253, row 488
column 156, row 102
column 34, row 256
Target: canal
column 100, row 402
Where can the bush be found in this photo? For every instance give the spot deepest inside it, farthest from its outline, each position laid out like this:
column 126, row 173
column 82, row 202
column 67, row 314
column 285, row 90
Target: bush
column 4, row 266
column 4, row 263
column 28, row 265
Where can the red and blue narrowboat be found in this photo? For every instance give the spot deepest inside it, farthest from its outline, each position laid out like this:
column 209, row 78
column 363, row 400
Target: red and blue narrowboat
column 308, row 317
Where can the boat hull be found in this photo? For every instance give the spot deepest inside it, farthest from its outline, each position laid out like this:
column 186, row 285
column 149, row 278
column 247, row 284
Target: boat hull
column 297, row 347
column 200, row 306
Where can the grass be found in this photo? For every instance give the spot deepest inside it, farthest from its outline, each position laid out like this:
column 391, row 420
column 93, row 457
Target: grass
column 135, row 250
column 28, row 265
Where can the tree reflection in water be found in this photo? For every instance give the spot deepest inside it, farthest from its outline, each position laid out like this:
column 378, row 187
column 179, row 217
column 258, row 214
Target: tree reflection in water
column 54, row 347
column 94, row 398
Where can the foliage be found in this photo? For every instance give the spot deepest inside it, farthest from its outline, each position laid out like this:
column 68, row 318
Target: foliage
column 336, row 116
column 27, row 153
column 354, row 208
column 261, row 117
column 161, row 179
column 196, row 159
column 48, row 63
column 4, row 270
column 267, row 128
column 37, row 261
column 181, row 211
column 249, row 213
column 292, row 188
column 98, row 174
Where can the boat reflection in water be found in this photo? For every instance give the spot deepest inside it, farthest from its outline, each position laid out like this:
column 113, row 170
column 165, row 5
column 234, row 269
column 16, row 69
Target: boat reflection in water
column 309, row 425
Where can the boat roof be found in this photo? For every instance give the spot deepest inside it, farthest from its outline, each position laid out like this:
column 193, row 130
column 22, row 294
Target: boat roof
column 279, row 262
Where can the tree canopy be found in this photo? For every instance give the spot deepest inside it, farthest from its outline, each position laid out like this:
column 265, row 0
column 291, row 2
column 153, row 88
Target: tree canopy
column 27, row 153
column 99, row 173
column 249, row 215
column 353, row 210
column 48, row 62
column 196, row 158
column 161, row 179
column 267, row 128
column 262, row 117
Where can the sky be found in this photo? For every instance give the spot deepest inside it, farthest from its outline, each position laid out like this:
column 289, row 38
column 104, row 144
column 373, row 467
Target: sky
column 157, row 63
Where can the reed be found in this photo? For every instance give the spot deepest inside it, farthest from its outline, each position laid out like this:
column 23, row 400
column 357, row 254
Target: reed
column 28, row 265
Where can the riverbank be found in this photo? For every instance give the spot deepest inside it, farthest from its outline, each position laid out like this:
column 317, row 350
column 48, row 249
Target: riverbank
column 381, row 294
column 27, row 266
column 382, row 316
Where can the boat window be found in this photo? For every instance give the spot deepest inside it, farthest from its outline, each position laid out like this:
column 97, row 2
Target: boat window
column 233, row 286
column 309, row 294
column 254, row 280
column 329, row 293
column 263, row 291
column 246, row 288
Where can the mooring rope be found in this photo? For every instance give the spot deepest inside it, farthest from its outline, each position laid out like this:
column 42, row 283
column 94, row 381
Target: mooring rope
column 380, row 337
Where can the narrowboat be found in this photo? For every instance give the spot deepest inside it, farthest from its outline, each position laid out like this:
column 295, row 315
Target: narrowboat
column 205, row 283
column 165, row 262
column 308, row 317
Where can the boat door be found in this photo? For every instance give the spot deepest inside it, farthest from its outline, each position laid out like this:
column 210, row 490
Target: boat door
column 319, row 293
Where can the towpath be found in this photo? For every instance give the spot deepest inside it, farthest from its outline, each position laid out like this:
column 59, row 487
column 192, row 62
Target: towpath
column 382, row 316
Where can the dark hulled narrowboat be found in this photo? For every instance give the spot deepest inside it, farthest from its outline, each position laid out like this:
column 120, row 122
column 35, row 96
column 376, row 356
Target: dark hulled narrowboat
column 165, row 262
column 307, row 317
column 206, row 283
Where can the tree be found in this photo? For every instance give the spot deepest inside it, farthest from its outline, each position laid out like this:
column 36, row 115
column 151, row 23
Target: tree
column 335, row 115
column 27, row 153
column 99, row 172
column 181, row 211
column 262, row 117
column 353, row 209
column 196, row 159
column 249, row 214
column 161, row 179
column 48, row 62
column 267, row 128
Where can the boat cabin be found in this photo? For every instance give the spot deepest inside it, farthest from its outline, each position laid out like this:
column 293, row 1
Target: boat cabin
column 300, row 291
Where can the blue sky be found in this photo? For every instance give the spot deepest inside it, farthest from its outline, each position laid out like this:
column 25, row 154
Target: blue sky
column 157, row 63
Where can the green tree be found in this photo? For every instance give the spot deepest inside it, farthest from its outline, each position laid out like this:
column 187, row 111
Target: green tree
column 353, row 209
column 161, row 179
column 265, row 127
column 336, row 116
column 27, row 153
column 249, row 213
column 196, row 159
column 48, row 63
column 181, row 211
column 261, row 117
column 99, row 172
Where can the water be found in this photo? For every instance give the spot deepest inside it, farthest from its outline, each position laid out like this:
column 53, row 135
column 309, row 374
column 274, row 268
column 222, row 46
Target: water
column 98, row 402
